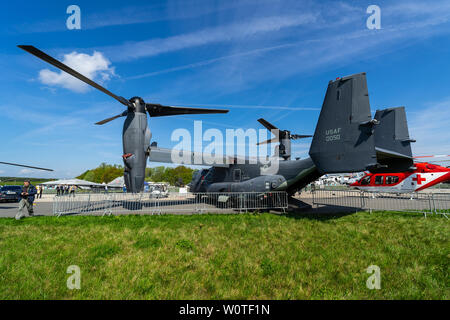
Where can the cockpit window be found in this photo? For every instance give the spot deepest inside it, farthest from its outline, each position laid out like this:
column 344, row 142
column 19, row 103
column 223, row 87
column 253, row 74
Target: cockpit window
column 209, row 175
column 365, row 181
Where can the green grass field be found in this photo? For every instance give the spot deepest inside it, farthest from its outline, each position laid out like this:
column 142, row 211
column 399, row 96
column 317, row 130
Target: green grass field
column 247, row 256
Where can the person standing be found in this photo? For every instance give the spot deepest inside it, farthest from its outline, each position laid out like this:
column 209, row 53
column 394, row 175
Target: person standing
column 72, row 189
column 27, row 199
column 58, row 190
column 37, row 192
column 41, row 188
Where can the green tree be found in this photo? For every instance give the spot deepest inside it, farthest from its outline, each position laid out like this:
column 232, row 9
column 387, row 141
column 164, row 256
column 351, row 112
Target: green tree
column 148, row 173
column 180, row 175
column 158, row 174
column 89, row 176
column 103, row 173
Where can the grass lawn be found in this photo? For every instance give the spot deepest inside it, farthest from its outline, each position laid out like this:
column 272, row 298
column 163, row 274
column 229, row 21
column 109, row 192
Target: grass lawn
column 246, row 256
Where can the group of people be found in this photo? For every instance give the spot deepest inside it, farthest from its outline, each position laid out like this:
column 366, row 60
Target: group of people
column 62, row 190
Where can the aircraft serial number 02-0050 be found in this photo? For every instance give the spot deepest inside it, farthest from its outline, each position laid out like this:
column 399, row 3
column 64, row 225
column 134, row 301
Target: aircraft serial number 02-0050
column 232, row 309
column 333, row 135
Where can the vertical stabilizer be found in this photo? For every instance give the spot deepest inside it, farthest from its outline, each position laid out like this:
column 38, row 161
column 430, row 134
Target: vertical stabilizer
column 392, row 141
column 343, row 140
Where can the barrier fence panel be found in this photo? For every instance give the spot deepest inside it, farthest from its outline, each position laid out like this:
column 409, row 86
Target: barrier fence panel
column 341, row 198
column 441, row 203
column 426, row 203
column 146, row 203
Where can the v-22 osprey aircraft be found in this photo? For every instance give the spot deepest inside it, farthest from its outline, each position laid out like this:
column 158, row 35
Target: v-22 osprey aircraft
column 346, row 139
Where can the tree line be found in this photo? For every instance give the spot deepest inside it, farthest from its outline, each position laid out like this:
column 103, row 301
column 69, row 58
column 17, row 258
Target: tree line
column 178, row 176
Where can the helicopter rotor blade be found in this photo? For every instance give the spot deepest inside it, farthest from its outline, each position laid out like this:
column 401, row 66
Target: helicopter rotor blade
column 25, row 166
column 267, row 124
column 123, row 114
column 272, row 129
column 435, row 161
column 273, row 140
column 158, row 110
column 299, row 136
column 279, row 135
column 433, row 156
column 42, row 55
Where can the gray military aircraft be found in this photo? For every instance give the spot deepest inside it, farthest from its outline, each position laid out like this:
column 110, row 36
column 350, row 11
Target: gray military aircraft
column 136, row 134
column 346, row 139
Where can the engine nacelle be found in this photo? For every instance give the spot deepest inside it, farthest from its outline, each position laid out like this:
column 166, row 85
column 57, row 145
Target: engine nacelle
column 135, row 135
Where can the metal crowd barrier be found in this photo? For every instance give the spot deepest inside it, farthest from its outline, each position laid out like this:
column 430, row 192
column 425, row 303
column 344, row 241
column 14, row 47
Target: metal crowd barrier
column 426, row 203
column 146, row 203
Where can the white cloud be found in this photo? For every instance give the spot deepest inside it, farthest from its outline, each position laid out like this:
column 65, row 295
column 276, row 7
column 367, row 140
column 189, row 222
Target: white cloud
column 227, row 33
column 95, row 67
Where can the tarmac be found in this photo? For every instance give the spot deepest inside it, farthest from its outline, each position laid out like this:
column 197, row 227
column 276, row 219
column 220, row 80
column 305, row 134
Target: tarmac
column 301, row 205
column 172, row 205
column 42, row 207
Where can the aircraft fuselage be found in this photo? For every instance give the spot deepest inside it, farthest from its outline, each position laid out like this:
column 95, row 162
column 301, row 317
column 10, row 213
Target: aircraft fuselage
column 291, row 176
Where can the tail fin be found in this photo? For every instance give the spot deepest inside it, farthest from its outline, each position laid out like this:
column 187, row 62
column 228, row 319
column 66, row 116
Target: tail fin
column 343, row 140
column 392, row 141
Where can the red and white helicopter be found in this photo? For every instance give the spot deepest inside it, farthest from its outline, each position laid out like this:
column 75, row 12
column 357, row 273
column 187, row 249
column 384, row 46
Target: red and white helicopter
column 423, row 176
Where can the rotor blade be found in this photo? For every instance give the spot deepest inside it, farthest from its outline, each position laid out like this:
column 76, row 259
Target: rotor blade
column 273, row 140
column 267, row 124
column 433, row 156
column 22, row 165
column 299, row 136
column 123, row 114
column 42, row 55
column 434, row 161
column 158, row 110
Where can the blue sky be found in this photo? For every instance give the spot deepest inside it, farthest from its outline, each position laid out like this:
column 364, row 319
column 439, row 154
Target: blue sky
column 259, row 58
